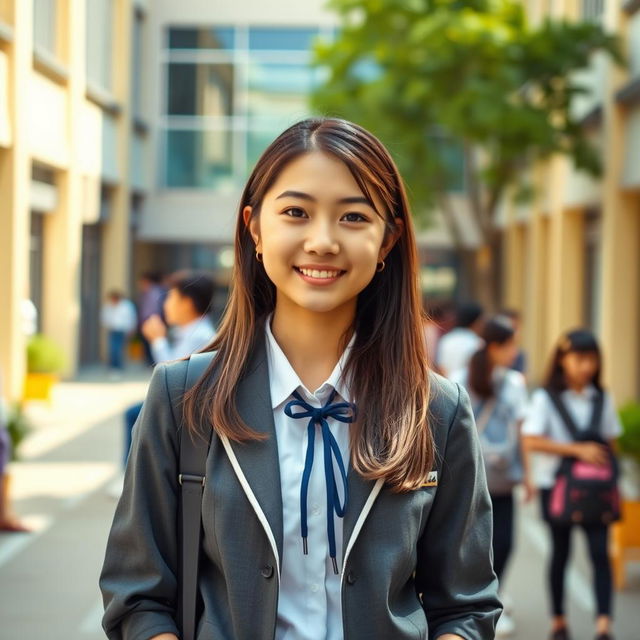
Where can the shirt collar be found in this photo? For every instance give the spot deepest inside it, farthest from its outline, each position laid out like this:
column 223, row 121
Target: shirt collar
column 588, row 392
column 283, row 380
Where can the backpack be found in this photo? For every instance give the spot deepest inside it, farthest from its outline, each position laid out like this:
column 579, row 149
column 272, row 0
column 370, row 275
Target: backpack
column 191, row 478
column 584, row 493
column 499, row 442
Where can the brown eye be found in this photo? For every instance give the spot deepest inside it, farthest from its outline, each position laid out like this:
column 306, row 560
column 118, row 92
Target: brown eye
column 354, row 217
column 294, row 212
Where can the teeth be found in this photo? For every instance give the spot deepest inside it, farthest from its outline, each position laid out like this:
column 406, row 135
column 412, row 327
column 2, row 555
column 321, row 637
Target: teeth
column 315, row 273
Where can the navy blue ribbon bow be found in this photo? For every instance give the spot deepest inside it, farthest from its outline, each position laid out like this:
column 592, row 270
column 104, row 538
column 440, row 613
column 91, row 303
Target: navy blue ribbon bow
column 343, row 412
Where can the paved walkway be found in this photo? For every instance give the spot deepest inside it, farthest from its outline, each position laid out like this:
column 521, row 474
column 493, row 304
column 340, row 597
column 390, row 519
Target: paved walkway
column 48, row 579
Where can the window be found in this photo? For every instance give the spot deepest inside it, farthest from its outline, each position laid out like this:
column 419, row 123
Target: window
column 202, row 39
column 229, row 91
column 200, row 89
column 592, row 10
column 287, row 39
column 279, row 89
column 198, row 158
column 44, row 25
column 593, row 270
column 137, row 66
column 99, row 43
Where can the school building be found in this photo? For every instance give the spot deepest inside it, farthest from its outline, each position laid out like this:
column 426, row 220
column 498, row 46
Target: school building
column 128, row 127
column 72, row 136
column 573, row 256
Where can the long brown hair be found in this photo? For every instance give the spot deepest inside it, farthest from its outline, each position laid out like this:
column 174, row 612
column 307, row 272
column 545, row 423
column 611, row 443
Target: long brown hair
column 497, row 330
column 387, row 368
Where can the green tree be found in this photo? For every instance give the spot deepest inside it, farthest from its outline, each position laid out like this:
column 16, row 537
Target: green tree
column 448, row 84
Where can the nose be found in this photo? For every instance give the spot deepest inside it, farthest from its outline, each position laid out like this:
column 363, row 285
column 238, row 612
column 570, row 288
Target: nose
column 322, row 238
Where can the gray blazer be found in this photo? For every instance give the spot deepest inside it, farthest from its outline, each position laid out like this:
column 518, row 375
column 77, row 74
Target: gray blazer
column 415, row 565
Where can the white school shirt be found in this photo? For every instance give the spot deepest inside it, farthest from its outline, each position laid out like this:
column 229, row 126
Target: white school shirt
column 120, row 316
column 456, row 348
column 543, row 420
column 185, row 340
column 309, row 604
column 510, row 383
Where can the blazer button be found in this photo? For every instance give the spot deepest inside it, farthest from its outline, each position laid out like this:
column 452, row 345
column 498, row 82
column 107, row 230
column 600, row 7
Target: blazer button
column 351, row 578
column 266, row 571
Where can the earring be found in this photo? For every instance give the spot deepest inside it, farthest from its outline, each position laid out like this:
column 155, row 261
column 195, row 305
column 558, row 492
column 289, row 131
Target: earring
column 380, row 267
column 258, row 256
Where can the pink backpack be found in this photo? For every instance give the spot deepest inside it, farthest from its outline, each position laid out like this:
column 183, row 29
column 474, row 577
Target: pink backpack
column 584, row 493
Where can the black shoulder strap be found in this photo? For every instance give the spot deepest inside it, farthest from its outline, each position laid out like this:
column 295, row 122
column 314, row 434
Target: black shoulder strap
column 193, row 461
column 596, row 415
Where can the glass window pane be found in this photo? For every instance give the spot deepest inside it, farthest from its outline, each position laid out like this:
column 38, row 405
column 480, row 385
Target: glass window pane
column 280, row 89
column 99, row 42
column 44, row 25
column 258, row 139
column 281, row 39
column 210, row 38
column 137, row 66
column 197, row 158
column 200, row 89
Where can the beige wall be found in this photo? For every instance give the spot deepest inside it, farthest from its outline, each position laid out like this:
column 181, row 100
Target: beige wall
column 14, row 207
column 52, row 121
column 553, row 233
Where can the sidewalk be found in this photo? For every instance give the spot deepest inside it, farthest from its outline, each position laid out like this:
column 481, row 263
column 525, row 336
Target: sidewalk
column 48, row 579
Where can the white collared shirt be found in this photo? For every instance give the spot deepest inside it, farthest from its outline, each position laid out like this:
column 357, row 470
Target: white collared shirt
column 185, row 340
column 309, row 604
column 544, row 420
column 456, row 348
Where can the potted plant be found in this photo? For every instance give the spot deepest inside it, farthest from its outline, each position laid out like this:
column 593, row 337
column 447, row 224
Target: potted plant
column 626, row 533
column 45, row 361
column 19, row 427
column 629, row 448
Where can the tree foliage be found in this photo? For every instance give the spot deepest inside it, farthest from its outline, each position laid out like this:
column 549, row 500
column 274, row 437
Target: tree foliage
column 442, row 81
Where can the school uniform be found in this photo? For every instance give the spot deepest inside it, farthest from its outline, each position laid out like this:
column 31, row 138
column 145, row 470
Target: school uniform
column 544, row 420
column 254, row 580
column 511, row 405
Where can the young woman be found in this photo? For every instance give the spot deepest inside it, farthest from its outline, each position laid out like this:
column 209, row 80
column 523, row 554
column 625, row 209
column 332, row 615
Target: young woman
column 345, row 495
column 575, row 375
column 499, row 399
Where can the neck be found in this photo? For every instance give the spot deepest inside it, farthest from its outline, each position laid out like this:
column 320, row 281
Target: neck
column 312, row 341
column 578, row 388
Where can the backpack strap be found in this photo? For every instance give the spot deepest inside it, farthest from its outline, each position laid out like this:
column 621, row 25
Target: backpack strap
column 193, row 462
column 596, row 415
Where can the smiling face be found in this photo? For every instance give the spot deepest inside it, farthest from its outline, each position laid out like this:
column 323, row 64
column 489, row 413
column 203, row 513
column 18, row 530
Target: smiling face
column 319, row 235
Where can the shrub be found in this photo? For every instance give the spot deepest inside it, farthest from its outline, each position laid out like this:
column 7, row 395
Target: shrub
column 44, row 355
column 629, row 441
column 18, row 427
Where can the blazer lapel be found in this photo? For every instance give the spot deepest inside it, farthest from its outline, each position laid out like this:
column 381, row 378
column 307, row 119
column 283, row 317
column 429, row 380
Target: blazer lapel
column 359, row 491
column 259, row 459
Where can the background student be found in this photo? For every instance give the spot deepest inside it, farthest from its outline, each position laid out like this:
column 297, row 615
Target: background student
column 499, row 399
column 575, row 378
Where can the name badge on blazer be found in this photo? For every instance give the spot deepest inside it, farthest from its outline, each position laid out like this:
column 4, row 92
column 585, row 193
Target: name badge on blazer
column 432, row 480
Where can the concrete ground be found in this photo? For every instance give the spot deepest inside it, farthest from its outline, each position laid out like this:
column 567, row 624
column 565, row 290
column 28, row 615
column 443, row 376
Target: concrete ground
column 48, row 578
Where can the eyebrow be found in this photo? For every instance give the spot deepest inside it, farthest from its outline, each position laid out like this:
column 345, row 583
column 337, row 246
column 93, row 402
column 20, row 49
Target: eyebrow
column 305, row 196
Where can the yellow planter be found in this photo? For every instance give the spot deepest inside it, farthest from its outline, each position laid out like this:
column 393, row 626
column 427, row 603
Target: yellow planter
column 626, row 541
column 135, row 351
column 38, row 386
